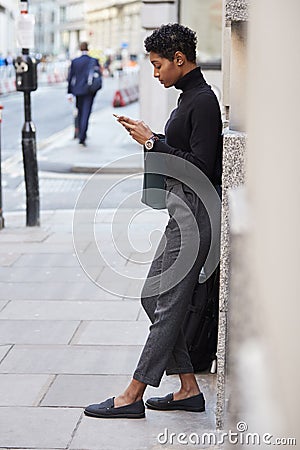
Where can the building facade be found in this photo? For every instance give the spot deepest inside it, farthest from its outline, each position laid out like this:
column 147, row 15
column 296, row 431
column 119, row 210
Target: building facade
column 114, row 27
column 8, row 14
column 72, row 26
column 47, row 39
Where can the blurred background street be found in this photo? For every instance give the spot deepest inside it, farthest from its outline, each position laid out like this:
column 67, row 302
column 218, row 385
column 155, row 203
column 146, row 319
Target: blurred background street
column 64, row 166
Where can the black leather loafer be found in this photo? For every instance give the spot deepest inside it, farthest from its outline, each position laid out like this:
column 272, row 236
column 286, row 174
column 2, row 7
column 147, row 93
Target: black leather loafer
column 195, row 403
column 106, row 409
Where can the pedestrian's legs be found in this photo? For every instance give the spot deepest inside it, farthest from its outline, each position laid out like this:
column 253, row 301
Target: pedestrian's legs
column 85, row 103
column 79, row 112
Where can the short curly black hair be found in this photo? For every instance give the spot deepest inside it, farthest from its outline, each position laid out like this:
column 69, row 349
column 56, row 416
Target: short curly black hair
column 170, row 38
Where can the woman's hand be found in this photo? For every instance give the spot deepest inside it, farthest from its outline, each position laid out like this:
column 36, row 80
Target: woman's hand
column 137, row 129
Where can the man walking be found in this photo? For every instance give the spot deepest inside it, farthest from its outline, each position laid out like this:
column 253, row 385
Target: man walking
column 78, row 86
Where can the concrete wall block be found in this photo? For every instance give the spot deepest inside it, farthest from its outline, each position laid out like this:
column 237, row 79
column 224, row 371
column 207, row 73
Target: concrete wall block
column 154, row 15
column 234, row 159
column 233, row 176
column 234, row 152
column 236, row 10
column 221, row 355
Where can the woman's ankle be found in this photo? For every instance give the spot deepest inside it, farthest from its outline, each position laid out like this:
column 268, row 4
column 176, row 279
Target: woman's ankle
column 189, row 385
column 135, row 391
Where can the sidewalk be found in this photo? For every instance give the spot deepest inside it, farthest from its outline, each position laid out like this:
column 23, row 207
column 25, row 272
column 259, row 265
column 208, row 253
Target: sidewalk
column 67, row 341
column 107, row 141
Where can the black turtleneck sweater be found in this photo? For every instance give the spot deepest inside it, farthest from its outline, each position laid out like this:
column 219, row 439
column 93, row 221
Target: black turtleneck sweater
column 194, row 129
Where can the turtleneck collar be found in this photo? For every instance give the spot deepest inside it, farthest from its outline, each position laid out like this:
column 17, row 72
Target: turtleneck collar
column 190, row 80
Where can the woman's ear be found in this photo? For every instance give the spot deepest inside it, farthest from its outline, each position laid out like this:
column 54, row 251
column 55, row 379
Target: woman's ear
column 179, row 58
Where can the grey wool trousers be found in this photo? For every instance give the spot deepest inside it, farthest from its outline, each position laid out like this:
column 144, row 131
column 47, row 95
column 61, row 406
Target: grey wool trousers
column 170, row 283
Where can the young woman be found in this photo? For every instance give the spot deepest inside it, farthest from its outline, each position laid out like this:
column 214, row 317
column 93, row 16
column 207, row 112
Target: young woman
column 192, row 133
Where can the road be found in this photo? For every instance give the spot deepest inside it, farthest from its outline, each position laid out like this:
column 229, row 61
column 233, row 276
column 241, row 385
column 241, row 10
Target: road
column 51, row 112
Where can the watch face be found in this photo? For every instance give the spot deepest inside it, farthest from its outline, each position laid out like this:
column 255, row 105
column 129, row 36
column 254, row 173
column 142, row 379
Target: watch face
column 149, row 145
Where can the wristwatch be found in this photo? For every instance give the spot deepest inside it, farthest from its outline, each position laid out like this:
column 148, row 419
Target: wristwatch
column 150, row 142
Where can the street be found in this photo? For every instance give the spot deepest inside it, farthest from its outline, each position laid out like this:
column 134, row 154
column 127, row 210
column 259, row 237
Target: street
column 53, row 117
column 51, row 112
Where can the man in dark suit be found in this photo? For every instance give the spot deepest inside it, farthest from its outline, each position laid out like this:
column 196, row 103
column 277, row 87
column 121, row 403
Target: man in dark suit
column 78, row 86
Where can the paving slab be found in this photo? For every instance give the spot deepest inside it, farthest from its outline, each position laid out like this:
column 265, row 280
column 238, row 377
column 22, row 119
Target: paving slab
column 48, row 274
column 47, row 260
column 136, row 270
column 104, row 333
column 4, row 349
column 119, row 283
column 62, row 238
column 142, row 315
column 103, row 256
column 71, row 310
column 18, row 219
column 66, row 359
column 134, row 289
column 34, row 247
column 82, row 390
column 23, row 390
column 17, row 234
column 142, row 434
column 8, row 259
column 3, row 303
column 83, row 291
column 37, row 331
column 45, row 428
column 139, row 434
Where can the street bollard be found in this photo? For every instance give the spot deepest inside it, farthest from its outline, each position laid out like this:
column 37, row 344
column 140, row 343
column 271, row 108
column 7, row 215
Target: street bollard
column 26, row 82
column 1, row 212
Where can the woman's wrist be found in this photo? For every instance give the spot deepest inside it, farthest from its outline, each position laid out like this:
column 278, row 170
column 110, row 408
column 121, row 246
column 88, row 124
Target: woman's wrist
column 149, row 143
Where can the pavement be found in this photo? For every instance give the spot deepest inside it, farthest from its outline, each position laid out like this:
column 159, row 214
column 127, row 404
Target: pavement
column 109, row 147
column 72, row 326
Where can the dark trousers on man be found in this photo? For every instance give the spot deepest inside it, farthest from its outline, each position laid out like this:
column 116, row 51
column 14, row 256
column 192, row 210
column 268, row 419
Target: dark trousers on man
column 84, row 105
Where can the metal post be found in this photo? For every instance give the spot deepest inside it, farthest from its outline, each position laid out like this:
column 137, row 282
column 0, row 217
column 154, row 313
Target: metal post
column 29, row 154
column 30, row 166
column 1, row 213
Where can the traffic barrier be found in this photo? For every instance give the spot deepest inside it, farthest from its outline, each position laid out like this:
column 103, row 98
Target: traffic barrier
column 119, row 99
column 48, row 73
column 53, row 72
column 7, row 85
column 128, row 90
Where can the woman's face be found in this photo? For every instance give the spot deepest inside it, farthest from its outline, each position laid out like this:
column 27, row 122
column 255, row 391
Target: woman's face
column 167, row 72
